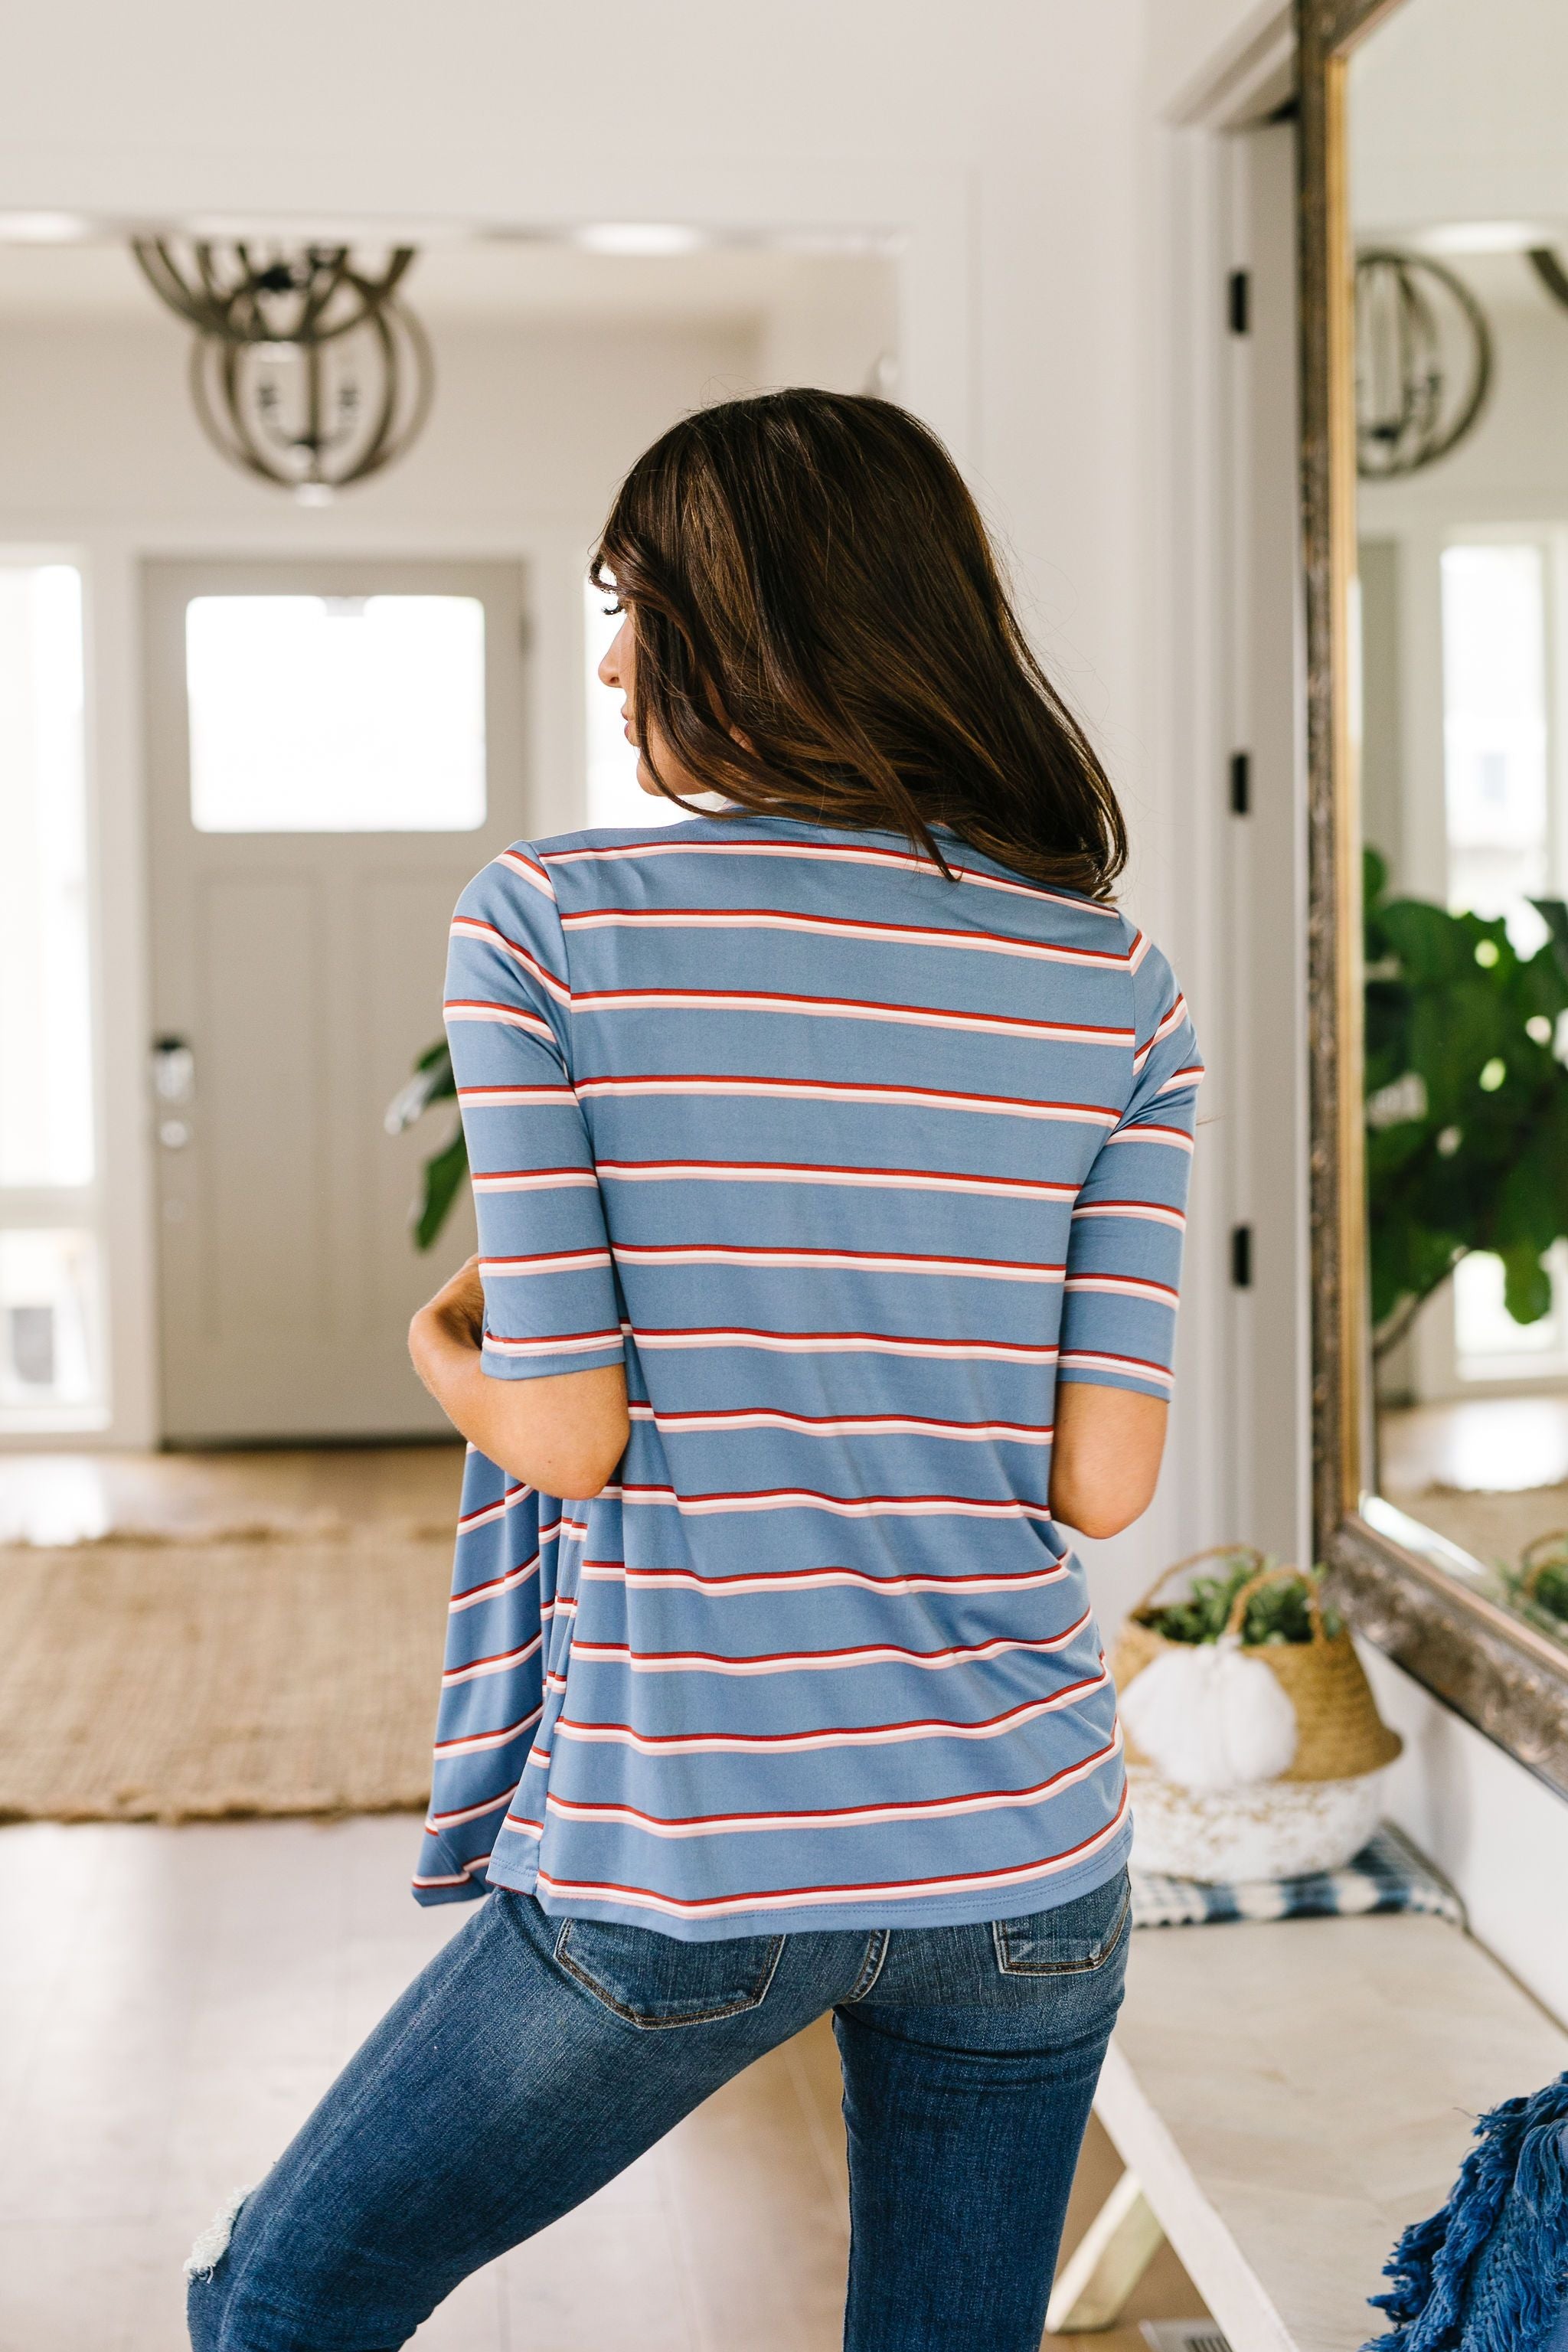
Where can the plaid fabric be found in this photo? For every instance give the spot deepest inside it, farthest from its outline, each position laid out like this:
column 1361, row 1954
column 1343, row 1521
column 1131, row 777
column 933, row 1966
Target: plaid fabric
column 1387, row 1874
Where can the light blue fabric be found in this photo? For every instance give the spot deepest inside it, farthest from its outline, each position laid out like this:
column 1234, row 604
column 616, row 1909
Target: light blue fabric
column 851, row 1162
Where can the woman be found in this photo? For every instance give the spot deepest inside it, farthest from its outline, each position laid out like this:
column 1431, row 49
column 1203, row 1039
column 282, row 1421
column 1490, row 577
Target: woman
column 830, row 1153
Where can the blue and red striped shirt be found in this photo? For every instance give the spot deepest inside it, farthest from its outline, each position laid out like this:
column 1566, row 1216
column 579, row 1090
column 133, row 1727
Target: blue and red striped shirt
column 850, row 1163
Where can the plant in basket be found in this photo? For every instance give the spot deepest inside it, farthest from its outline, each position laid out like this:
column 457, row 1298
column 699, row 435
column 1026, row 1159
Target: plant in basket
column 1254, row 1746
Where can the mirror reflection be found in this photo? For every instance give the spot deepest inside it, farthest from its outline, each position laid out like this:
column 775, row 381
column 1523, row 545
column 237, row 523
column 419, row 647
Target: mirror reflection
column 1459, row 211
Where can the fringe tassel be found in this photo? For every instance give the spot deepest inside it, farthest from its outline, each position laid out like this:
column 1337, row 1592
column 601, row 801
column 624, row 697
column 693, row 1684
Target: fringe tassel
column 1489, row 2271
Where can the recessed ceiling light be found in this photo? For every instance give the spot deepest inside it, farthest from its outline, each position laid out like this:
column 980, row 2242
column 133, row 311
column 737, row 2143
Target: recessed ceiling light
column 42, row 229
column 1483, row 236
column 641, row 238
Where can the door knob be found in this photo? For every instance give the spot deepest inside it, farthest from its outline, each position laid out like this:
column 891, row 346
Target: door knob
column 174, row 1070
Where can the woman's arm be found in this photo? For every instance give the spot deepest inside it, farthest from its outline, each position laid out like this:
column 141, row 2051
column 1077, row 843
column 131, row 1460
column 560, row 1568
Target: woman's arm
column 565, row 1432
column 1105, row 1455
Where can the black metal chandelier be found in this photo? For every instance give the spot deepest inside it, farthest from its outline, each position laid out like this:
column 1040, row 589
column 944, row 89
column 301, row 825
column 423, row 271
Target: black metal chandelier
column 308, row 368
column 1424, row 363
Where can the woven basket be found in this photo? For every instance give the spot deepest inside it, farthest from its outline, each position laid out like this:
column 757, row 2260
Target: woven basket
column 1339, row 1734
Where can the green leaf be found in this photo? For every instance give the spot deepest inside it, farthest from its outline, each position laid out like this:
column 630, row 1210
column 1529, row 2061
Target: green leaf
column 444, row 1173
column 1527, row 1285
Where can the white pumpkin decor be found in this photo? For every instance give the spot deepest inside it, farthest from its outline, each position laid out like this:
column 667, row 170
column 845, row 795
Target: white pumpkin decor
column 1260, row 1761
column 1209, row 1716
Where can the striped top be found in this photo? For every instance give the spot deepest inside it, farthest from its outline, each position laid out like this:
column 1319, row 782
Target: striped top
column 851, row 1164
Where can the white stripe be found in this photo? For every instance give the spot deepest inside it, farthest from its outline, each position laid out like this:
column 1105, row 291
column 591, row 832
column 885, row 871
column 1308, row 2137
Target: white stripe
column 794, row 1899
column 505, row 1015
column 898, row 862
column 865, row 1261
column 526, row 871
column 559, row 1098
column 857, row 1425
column 816, row 1661
column 812, row 1343
column 1079, row 1359
column 468, row 1813
column 776, row 1583
column 468, row 926
column 913, row 1809
column 482, row 1667
column 1170, row 1135
column 575, row 1346
column 502, row 1585
column 1142, row 1209
column 498, row 1269
column 713, row 1000
column 476, row 1742
column 553, row 1181
column 843, row 1091
column 1123, row 1285
column 769, row 918
column 798, row 1498
column 892, row 1179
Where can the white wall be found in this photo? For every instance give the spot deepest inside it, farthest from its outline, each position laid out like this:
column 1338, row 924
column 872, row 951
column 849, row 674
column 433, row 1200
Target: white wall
column 101, row 460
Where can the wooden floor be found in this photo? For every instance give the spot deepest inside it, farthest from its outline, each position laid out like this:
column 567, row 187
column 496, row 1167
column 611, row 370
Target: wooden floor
column 174, row 2001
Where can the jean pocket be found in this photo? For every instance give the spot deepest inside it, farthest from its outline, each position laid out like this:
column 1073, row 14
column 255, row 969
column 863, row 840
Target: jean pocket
column 1073, row 1940
column 652, row 1980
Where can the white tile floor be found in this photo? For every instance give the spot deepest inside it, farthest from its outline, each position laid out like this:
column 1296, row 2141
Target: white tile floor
column 174, row 2000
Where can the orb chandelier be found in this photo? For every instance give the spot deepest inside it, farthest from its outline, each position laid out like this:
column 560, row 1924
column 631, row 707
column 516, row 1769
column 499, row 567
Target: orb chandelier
column 308, row 368
column 1424, row 363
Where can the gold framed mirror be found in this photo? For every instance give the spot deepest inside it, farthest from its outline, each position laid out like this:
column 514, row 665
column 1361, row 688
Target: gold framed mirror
column 1434, row 316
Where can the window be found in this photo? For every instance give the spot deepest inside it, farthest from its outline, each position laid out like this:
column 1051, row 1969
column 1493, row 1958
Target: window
column 1501, row 844
column 336, row 714
column 1494, row 733
column 615, row 796
column 51, row 1354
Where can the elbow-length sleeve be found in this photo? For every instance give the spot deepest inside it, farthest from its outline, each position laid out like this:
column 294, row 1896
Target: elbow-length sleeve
column 551, row 1302
column 1124, row 1256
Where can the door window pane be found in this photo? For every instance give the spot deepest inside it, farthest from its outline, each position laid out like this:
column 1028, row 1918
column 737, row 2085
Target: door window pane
column 49, row 1322
column 336, row 714
column 46, row 1038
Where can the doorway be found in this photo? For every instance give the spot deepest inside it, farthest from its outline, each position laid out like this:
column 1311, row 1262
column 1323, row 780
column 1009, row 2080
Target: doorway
column 334, row 749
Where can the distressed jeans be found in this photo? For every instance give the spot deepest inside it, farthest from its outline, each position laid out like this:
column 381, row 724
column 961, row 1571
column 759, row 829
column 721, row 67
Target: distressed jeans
column 535, row 2058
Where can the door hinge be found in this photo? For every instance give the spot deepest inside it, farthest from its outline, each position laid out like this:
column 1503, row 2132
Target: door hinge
column 1240, row 301
column 1241, row 784
column 1241, row 1256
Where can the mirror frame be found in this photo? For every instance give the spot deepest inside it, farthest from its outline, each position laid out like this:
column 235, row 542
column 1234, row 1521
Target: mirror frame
column 1416, row 1596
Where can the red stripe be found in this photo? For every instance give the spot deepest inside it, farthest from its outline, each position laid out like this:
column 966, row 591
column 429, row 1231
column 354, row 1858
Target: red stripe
column 1031, row 1104
column 835, row 1168
column 765, row 917
column 912, row 1806
column 830, row 1257
column 783, row 1895
column 936, row 1723
column 849, row 1006
column 753, row 1332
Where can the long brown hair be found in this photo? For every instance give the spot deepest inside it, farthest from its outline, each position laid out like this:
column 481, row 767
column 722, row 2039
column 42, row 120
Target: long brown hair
column 822, row 632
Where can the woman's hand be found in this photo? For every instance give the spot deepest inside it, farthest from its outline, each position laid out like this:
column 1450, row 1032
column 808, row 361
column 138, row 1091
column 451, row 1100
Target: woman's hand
column 564, row 1432
column 457, row 1308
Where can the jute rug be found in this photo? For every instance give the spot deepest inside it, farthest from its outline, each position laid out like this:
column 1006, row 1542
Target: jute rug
column 151, row 1679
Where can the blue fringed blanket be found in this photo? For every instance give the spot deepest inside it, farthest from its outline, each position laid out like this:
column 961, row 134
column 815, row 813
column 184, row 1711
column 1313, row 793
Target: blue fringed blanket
column 1489, row 2271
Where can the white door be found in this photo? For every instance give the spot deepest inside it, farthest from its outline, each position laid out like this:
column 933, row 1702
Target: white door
column 334, row 749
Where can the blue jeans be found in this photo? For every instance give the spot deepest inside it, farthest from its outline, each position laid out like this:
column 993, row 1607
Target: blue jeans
column 535, row 2057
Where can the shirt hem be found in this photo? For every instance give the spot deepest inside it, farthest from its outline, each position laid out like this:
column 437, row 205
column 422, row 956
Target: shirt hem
column 965, row 1910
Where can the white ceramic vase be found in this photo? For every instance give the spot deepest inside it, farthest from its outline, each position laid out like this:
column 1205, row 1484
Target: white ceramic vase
column 1276, row 1829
